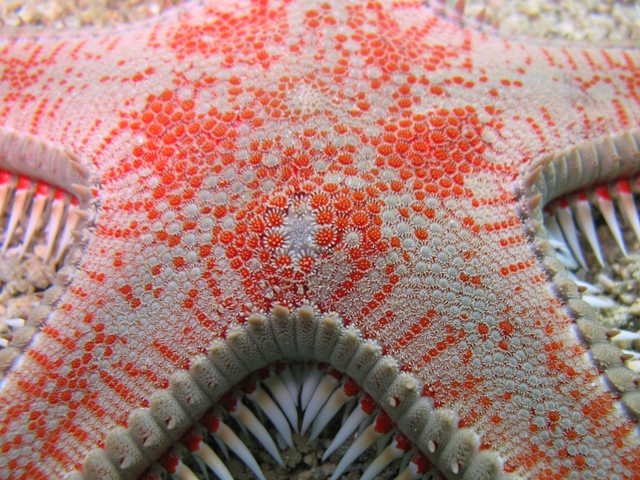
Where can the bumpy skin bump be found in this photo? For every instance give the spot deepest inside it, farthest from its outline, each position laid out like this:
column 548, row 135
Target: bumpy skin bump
column 581, row 309
column 416, row 417
column 441, row 426
column 597, row 160
column 356, row 156
column 606, row 355
column 123, row 452
column 622, row 379
column 567, row 289
column 305, row 333
column 349, row 340
column 284, row 332
column 484, row 466
column 210, row 379
column 147, row 433
column 245, row 348
column 186, row 390
column 592, row 331
column 363, row 361
column 221, row 354
column 401, row 395
column 460, row 450
column 631, row 401
column 327, row 335
column 379, row 378
column 169, row 414
column 29, row 155
column 98, row 465
column 262, row 335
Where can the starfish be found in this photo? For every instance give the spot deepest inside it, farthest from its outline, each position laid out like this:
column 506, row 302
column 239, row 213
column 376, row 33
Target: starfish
column 357, row 184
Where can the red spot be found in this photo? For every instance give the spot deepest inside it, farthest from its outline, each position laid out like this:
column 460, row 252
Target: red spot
column 367, row 404
column 422, row 463
column 170, row 461
column 351, row 388
column 325, row 237
column 229, row 402
column 210, row 421
column 403, row 443
column 179, row 262
column 506, row 328
column 248, row 386
column 191, row 440
column 383, row 423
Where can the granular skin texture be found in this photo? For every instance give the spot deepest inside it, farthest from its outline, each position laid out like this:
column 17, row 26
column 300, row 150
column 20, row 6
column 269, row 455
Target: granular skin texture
column 356, row 156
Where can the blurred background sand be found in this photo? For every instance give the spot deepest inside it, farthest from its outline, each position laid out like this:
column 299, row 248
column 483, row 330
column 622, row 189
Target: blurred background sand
column 590, row 20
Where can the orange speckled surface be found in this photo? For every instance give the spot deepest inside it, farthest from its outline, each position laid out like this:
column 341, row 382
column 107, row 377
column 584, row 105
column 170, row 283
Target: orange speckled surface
column 359, row 156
